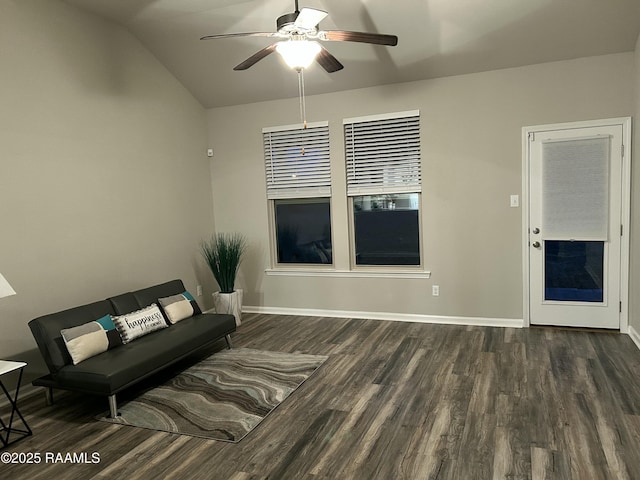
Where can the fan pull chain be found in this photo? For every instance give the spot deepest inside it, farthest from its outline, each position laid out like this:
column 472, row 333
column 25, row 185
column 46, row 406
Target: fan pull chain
column 303, row 105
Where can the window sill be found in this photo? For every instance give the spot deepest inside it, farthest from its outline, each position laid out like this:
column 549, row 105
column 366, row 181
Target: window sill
column 327, row 272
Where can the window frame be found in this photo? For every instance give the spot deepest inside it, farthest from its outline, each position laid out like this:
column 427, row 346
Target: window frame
column 301, row 193
column 368, row 191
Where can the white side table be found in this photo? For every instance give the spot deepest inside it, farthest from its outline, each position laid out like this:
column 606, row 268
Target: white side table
column 7, row 429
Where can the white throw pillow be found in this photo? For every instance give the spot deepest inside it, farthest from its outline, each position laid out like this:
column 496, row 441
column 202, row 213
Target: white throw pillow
column 141, row 322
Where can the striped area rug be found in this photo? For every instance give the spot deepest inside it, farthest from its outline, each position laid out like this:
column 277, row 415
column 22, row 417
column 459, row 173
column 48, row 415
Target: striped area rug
column 222, row 397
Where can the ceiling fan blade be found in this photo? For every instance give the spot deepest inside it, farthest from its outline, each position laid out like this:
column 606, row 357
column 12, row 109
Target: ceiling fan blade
column 308, row 18
column 230, row 35
column 256, row 57
column 363, row 37
column 328, row 61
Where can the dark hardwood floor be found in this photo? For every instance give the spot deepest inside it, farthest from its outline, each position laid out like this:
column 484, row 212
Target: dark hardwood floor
column 393, row 401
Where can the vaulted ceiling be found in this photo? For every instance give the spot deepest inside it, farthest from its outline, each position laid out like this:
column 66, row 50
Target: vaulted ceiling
column 436, row 38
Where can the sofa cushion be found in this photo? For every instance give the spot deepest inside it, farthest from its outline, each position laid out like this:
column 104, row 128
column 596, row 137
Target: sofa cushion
column 139, row 323
column 116, row 369
column 128, row 302
column 90, row 339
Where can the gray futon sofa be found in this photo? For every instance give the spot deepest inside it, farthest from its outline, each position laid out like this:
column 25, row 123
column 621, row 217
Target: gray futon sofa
column 116, row 369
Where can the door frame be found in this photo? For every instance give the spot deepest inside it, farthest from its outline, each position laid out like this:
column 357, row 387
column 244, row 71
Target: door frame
column 625, row 219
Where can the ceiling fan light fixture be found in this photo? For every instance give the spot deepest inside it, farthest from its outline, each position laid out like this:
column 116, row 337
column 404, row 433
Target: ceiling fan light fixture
column 298, row 53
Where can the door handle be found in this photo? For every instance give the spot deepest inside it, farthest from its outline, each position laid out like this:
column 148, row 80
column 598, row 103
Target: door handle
column 536, row 244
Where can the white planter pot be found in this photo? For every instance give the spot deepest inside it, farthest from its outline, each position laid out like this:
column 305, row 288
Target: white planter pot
column 230, row 303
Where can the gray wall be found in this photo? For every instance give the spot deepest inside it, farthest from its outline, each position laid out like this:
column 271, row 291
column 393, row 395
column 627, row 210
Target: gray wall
column 104, row 183
column 472, row 163
column 634, row 274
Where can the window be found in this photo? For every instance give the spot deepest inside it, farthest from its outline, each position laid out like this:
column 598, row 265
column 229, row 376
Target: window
column 384, row 185
column 298, row 174
column 303, row 231
column 386, row 229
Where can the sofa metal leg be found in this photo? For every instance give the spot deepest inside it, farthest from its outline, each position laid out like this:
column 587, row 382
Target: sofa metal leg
column 48, row 396
column 227, row 337
column 113, row 406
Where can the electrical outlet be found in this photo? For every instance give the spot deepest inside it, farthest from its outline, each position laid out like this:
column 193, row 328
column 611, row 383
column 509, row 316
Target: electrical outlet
column 199, row 290
column 435, row 290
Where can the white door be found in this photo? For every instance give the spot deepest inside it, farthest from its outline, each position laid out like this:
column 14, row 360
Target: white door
column 575, row 225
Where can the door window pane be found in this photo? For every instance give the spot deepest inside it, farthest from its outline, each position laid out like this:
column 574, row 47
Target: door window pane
column 303, row 231
column 386, row 229
column 574, row 271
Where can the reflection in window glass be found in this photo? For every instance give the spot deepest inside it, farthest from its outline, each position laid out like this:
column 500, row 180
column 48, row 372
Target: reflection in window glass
column 303, row 231
column 386, row 229
column 573, row 271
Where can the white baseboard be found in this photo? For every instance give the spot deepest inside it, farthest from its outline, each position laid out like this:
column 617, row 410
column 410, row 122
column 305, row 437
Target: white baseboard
column 634, row 336
column 394, row 317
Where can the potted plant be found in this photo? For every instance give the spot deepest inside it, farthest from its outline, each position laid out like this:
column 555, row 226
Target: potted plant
column 223, row 253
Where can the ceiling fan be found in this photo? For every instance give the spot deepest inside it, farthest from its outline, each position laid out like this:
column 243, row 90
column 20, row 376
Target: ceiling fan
column 299, row 48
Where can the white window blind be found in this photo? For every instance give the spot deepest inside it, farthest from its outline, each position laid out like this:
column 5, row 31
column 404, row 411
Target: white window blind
column 297, row 162
column 575, row 188
column 383, row 154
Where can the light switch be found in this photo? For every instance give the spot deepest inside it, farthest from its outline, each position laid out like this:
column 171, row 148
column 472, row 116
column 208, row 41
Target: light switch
column 515, row 200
